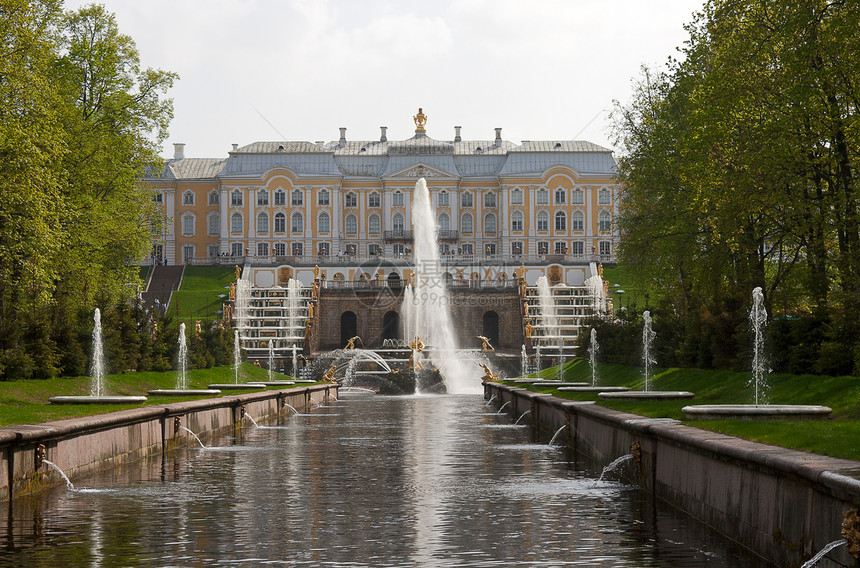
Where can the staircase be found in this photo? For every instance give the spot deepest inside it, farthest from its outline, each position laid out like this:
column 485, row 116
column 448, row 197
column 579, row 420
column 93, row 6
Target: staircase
column 164, row 280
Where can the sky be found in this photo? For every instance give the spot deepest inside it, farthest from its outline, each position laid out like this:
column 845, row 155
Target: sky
column 254, row 70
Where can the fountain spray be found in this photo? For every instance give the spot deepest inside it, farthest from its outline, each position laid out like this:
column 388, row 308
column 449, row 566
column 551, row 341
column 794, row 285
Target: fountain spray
column 647, row 338
column 98, row 362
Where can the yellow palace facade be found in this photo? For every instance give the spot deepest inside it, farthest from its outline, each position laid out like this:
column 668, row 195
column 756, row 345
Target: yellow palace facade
column 303, row 203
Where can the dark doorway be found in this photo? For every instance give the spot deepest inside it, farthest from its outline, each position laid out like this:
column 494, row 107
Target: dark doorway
column 491, row 327
column 348, row 327
column 391, row 325
column 394, row 280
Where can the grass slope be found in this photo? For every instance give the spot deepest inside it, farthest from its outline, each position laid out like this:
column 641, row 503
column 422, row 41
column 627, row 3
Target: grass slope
column 198, row 297
column 836, row 437
column 26, row 402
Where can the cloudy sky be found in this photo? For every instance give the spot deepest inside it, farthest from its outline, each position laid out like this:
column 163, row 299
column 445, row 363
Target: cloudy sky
column 255, row 70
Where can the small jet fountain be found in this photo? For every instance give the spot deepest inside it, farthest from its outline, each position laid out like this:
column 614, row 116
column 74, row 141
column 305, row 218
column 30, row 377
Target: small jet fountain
column 182, row 379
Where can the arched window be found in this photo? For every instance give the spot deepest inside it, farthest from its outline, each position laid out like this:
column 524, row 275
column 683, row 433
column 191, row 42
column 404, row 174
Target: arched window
column 517, row 197
column 280, row 197
column 373, row 224
column 262, row 197
column 262, row 223
column 374, row 200
column 577, row 221
column 188, row 224
column 490, row 224
column 323, row 223
column 188, row 197
column 214, row 197
column 560, row 221
column 297, row 198
column 351, row 225
column 397, row 222
column 397, row 199
column 323, row 197
column 236, row 224
column 604, row 197
column 604, row 222
column 297, row 224
column 560, row 196
column 542, row 221
column 517, row 221
column 236, row 198
column 213, row 223
column 280, row 223
column 466, row 224
column 444, row 222
column 443, row 198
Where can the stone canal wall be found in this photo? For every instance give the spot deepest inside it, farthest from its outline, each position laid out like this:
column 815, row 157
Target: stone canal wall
column 80, row 445
column 783, row 504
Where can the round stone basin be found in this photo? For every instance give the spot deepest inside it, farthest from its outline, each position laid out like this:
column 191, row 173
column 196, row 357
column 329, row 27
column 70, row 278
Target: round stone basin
column 97, row 399
column 593, row 389
column 184, row 392
column 278, row 384
column 557, row 384
column 239, row 386
column 756, row 412
column 645, row 395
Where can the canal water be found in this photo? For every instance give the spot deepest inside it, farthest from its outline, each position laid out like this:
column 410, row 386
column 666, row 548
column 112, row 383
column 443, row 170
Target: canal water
column 367, row 481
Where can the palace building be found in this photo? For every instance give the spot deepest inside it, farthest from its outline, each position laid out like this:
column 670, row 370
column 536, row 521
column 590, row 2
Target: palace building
column 280, row 209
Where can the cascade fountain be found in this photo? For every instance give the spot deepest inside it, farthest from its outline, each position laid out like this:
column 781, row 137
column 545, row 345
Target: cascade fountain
column 425, row 303
column 181, row 388
column 97, row 368
column 758, row 322
column 648, row 361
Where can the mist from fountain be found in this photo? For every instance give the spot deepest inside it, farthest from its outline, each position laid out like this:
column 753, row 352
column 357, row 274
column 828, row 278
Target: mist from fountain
column 182, row 360
column 524, row 362
column 97, row 367
column 546, row 305
column 295, row 370
column 614, row 465
column 648, row 336
column 429, row 316
column 593, row 348
column 758, row 321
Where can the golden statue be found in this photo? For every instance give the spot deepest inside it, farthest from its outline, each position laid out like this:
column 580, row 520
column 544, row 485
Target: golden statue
column 523, row 288
column 529, row 330
column 197, row 328
column 232, row 290
column 486, row 346
column 420, row 120
column 350, row 344
column 310, row 311
column 489, row 376
column 417, row 345
column 328, row 377
column 238, row 272
column 600, row 270
column 526, row 308
column 316, row 272
column 414, row 363
column 520, row 272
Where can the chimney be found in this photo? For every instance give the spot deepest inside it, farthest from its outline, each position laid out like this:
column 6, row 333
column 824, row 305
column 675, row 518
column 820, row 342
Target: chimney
column 235, row 146
column 178, row 151
column 457, row 133
column 342, row 141
column 498, row 135
column 383, row 137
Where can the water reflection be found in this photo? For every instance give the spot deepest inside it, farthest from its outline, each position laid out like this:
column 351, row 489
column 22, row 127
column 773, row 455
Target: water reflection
column 367, row 481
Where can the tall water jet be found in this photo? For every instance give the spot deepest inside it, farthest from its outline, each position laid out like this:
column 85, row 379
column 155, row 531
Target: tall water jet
column 546, row 304
column 295, row 370
column 182, row 382
column 648, row 336
column 97, row 366
column 596, row 290
column 758, row 320
column 429, row 317
column 524, row 362
column 593, row 348
column 237, row 355
column 271, row 359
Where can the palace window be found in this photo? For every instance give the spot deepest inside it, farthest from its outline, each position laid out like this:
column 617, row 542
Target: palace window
column 517, row 221
column 213, row 223
column 324, row 223
column 490, row 224
column 560, row 247
column 398, row 249
column 188, row 224
column 489, row 199
column 397, row 222
column 542, row 197
column 214, row 197
column 560, row 196
column 397, row 199
column 444, row 222
column 351, row 200
column 577, row 248
column 280, row 223
column 374, row 199
column 297, row 249
column 158, row 197
column 236, row 249
column 467, row 249
column 236, row 198
column 297, row 223
column 517, row 197
column 262, row 249
column 280, row 249
column 543, row 247
column 323, row 197
column 212, row 250
column 187, row 253
column 516, row 248
column 604, row 197
column 280, row 197
column 577, row 196
column 262, row 197
column 374, row 249
column 236, row 224
column 297, row 198
column 188, row 197
column 324, row 249
column 466, row 224
column 560, row 222
column 466, row 199
column 373, row 224
column 443, row 198
column 490, row 249
column 351, row 225
column 262, row 223
column 542, row 221
column 605, row 248
column 577, row 221
column 604, row 222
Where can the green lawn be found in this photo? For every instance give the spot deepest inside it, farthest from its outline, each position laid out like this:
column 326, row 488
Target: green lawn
column 198, row 296
column 837, row 437
column 26, row 402
column 627, row 293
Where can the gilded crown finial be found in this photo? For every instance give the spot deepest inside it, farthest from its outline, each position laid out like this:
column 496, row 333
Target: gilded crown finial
column 420, row 120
